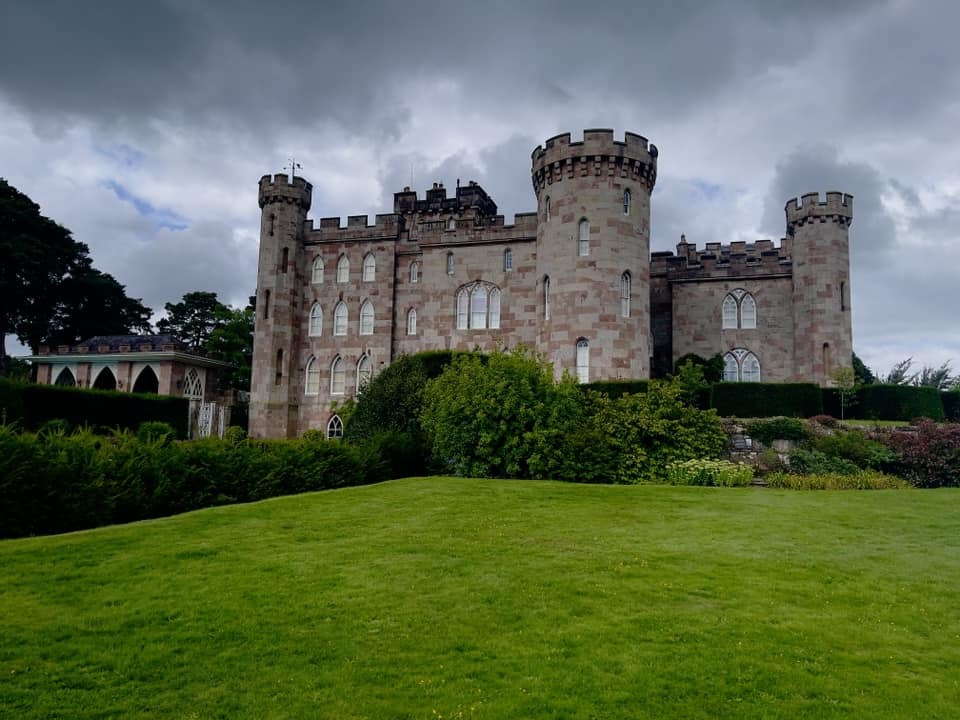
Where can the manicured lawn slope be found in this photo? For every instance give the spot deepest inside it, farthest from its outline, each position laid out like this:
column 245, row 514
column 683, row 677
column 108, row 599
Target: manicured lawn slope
column 450, row 598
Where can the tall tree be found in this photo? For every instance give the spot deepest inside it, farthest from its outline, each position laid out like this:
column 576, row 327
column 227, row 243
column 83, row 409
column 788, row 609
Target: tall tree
column 194, row 318
column 939, row 378
column 36, row 254
column 864, row 375
column 233, row 342
column 900, row 373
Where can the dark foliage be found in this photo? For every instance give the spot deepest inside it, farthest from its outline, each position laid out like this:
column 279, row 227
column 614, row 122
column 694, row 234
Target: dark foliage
column 614, row 389
column 951, row 405
column 712, row 367
column 898, row 402
column 766, row 399
column 781, row 428
column 927, row 455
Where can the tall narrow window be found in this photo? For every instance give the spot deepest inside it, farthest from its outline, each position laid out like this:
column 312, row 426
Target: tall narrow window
column 278, row 370
column 311, row 385
column 478, row 308
column 273, row 223
column 507, row 260
column 546, row 297
column 583, row 245
column 412, row 321
column 451, row 224
column 340, row 319
column 366, row 318
column 449, row 263
column 316, row 320
column 627, row 199
column 495, row 309
column 414, row 272
column 625, row 295
column 731, row 369
column 583, row 361
column 826, row 359
column 343, row 269
column 364, row 373
column 266, row 305
column 546, row 208
column 843, row 296
column 750, row 368
column 284, row 260
column 748, row 312
column 463, row 301
column 369, row 268
column 336, row 376
column 335, row 428
column 729, row 312
column 316, row 274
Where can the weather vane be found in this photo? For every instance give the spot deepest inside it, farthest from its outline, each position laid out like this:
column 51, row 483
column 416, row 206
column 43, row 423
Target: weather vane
column 292, row 165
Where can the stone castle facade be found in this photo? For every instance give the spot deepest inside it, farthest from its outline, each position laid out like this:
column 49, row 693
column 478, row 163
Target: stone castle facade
column 574, row 280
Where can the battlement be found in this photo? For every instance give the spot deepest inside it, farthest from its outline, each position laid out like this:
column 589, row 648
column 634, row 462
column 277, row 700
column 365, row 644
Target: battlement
column 470, row 196
column 358, row 227
column 597, row 154
column 838, row 207
column 715, row 260
column 278, row 189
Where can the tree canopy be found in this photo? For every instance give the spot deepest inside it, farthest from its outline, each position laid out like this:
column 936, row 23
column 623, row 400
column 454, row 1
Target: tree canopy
column 194, row 318
column 49, row 290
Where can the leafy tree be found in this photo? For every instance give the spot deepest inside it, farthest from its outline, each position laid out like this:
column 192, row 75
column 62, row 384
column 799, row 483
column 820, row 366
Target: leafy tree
column 863, row 374
column 233, row 342
column 194, row 318
column 939, row 378
column 845, row 380
column 712, row 367
column 900, row 374
column 49, row 290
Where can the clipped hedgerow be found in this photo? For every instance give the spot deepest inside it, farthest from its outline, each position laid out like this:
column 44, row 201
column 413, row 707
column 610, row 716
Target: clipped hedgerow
column 746, row 399
column 951, row 405
column 722, row 473
column 899, row 402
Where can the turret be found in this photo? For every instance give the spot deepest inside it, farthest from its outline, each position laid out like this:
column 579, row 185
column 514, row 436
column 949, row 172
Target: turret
column 823, row 337
column 273, row 387
column 593, row 253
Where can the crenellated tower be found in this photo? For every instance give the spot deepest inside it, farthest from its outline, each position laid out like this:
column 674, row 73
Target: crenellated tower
column 593, row 253
column 275, row 386
column 823, row 338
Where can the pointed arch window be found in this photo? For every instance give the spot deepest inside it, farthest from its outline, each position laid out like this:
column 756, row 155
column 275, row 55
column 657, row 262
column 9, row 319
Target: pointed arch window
column 507, row 260
column 311, row 385
column 583, row 361
column 741, row 365
column 364, row 373
column 316, row 320
column 193, row 387
column 337, row 376
column 463, row 300
column 316, row 273
column 449, row 263
column 369, row 268
column 625, row 294
column 583, row 244
column 343, row 269
column 412, row 321
column 627, row 201
column 546, row 208
column 739, row 311
column 340, row 319
column 106, row 380
column 66, row 378
column 546, row 297
column 335, row 428
column 414, row 272
column 478, row 307
column 366, row 318
column 494, row 309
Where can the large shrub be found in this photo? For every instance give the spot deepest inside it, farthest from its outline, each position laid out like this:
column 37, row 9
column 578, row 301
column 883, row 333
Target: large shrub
column 616, row 388
column 927, row 455
column 766, row 399
column 781, row 428
column 951, row 405
column 855, row 446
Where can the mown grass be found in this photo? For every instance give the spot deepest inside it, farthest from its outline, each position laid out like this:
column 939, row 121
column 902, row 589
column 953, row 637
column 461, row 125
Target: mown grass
column 442, row 597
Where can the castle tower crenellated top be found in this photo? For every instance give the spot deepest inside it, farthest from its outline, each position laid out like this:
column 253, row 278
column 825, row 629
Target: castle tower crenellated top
column 278, row 189
column 597, row 154
column 838, row 208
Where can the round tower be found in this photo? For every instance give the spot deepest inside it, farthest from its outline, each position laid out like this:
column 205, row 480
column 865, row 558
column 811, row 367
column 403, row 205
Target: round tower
column 823, row 339
column 593, row 253
column 274, row 394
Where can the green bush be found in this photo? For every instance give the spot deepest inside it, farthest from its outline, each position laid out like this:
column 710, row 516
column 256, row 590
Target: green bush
column 712, row 367
column 781, row 428
column 814, row 462
column 31, row 405
column 766, row 399
column 855, row 446
column 721, row 473
column 154, row 430
column 898, row 402
column 951, row 405
column 863, row 480
column 928, row 455
column 614, row 389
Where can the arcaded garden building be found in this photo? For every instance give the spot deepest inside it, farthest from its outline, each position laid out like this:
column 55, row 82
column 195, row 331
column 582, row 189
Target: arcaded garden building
column 574, row 280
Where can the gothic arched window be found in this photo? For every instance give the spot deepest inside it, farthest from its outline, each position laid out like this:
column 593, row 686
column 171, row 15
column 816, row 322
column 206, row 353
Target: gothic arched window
column 412, row 321
column 366, row 318
column 414, row 272
column 343, row 269
column 316, row 274
column 335, row 428
column 337, row 378
column 583, row 244
column 340, row 319
column 364, row 373
column 625, row 294
column 316, row 320
column 627, row 200
column 369, row 268
column 583, row 361
column 311, row 385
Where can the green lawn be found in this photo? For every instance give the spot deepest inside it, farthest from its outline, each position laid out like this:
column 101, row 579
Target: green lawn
column 440, row 597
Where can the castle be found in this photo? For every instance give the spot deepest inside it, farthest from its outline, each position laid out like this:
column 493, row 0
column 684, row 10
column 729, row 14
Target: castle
column 574, row 280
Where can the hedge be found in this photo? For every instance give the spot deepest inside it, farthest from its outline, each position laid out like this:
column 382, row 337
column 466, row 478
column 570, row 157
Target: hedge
column 951, row 405
column 614, row 389
column 766, row 399
column 898, row 402
column 30, row 405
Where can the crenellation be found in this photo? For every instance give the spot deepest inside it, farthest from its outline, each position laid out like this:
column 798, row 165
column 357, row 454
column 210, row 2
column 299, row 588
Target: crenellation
column 837, row 207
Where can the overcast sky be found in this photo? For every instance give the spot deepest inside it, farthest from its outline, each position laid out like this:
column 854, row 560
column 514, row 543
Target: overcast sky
column 145, row 126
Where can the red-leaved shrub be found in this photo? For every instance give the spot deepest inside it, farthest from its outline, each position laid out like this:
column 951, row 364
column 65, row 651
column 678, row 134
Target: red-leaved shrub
column 929, row 455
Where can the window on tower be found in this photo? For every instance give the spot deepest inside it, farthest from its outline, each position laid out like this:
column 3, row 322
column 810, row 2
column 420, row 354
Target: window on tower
column 583, row 243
